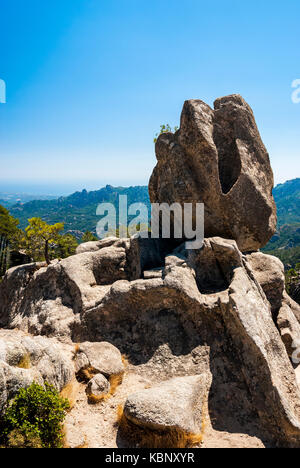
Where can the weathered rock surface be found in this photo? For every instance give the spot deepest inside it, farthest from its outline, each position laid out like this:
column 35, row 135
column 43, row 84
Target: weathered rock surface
column 175, row 404
column 52, row 300
column 206, row 313
column 49, row 300
column 269, row 272
column 294, row 306
column 217, row 158
column 99, row 358
column 25, row 359
column 98, row 386
column 93, row 246
column 289, row 328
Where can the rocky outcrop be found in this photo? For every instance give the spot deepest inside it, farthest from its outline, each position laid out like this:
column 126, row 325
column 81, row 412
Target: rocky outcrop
column 25, row 359
column 206, row 313
column 52, row 300
column 49, row 300
column 268, row 271
column 217, row 158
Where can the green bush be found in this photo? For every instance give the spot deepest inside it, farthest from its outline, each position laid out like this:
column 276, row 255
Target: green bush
column 165, row 129
column 34, row 418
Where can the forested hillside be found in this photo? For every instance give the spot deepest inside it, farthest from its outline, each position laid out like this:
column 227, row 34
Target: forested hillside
column 286, row 242
column 78, row 211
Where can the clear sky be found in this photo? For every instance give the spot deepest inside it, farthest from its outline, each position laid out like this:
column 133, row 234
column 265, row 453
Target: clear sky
column 90, row 81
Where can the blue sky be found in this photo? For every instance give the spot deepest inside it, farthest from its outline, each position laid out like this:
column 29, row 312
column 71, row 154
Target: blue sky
column 90, row 81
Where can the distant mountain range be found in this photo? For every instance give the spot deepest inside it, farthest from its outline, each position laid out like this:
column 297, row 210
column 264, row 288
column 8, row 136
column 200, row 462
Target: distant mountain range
column 78, row 212
column 285, row 244
column 287, row 198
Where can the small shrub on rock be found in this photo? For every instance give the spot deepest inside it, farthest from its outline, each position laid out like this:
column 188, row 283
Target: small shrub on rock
column 34, row 418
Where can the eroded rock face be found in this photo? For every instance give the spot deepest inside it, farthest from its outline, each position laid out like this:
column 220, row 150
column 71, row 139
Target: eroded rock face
column 205, row 313
column 217, row 158
column 25, row 359
column 269, row 272
column 49, row 300
column 175, row 404
column 289, row 328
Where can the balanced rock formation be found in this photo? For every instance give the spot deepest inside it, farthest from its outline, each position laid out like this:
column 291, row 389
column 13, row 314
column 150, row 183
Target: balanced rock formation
column 217, row 158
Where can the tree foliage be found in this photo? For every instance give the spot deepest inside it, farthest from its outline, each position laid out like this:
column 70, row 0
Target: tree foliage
column 165, row 129
column 9, row 234
column 292, row 280
column 66, row 246
column 40, row 237
column 88, row 237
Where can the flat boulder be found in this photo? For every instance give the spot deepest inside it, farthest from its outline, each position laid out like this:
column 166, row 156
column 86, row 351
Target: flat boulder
column 172, row 405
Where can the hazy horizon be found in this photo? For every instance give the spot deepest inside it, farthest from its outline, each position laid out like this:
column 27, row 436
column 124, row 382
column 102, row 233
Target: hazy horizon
column 57, row 190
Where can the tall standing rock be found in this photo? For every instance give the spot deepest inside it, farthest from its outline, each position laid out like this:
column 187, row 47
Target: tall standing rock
column 218, row 158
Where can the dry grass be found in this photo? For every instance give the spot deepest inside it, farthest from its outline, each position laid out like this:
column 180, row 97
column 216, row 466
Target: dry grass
column 76, row 350
column 25, row 362
column 125, row 360
column 70, row 392
column 147, row 438
column 87, row 374
column 115, row 381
